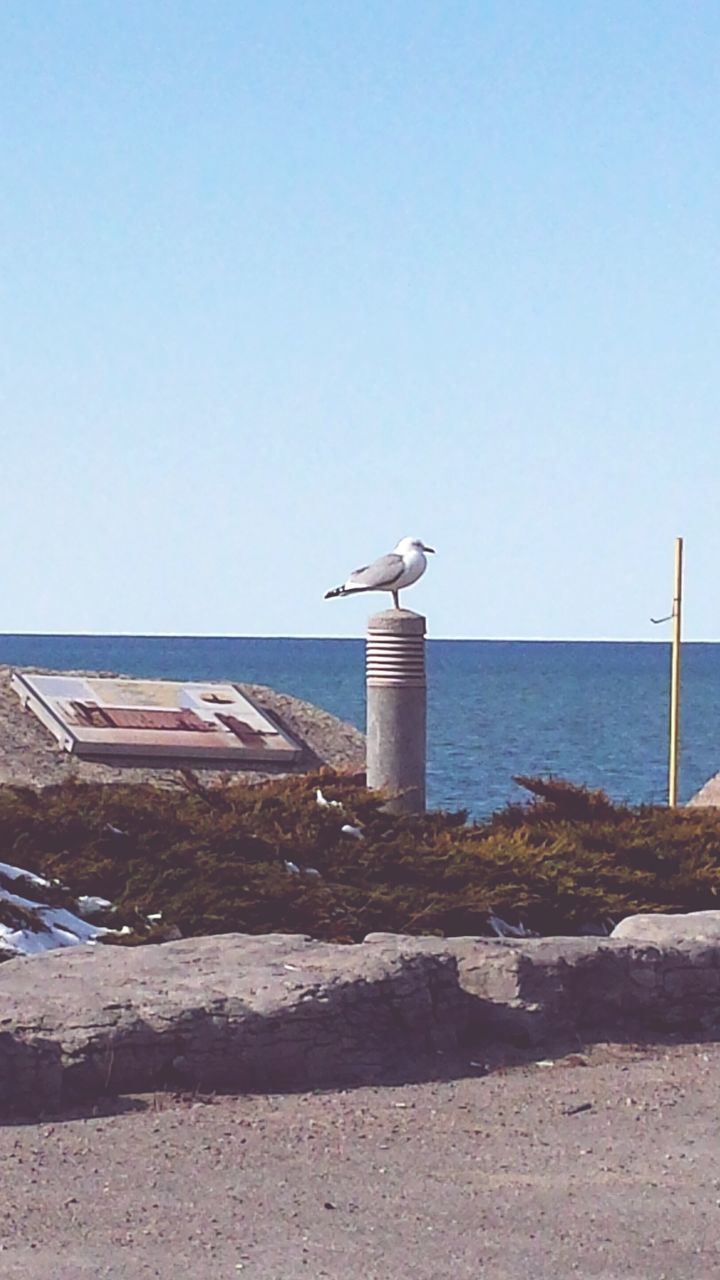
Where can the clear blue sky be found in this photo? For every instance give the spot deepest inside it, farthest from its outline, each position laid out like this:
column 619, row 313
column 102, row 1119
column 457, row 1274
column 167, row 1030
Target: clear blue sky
column 284, row 280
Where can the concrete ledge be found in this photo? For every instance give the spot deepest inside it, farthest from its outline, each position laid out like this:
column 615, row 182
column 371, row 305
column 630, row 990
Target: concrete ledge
column 283, row 1012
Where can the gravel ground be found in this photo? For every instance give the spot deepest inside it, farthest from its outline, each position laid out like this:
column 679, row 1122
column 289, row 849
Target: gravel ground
column 603, row 1164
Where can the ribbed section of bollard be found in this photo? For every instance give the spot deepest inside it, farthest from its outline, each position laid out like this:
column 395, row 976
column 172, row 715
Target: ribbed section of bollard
column 396, row 710
column 396, row 650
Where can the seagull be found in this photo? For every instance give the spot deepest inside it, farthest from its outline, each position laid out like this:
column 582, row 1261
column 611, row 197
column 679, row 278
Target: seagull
column 390, row 573
column 349, row 830
column 502, row 929
column 326, row 804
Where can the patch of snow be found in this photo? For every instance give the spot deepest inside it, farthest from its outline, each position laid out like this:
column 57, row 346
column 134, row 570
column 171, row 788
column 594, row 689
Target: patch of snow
column 89, row 906
column 25, row 942
column 18, row 901
column 48, row 927
column 17, row 873
column 67, row 922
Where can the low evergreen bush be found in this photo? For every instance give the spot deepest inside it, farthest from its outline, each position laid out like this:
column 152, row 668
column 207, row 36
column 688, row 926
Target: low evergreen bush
column 244, row 858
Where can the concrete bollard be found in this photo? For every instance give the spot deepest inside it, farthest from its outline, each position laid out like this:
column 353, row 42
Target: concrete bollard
column 396, row 708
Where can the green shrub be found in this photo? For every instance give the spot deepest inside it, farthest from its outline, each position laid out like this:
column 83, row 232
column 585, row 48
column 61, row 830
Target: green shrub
column 212, row 859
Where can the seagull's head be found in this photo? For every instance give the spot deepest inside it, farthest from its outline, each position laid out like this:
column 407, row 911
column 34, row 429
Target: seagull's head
column 412, row 544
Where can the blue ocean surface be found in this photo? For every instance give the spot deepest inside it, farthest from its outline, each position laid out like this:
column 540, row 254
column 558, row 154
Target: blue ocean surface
column 595, row 713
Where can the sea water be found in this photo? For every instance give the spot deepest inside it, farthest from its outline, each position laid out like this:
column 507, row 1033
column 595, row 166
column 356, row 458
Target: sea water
column 594, row 713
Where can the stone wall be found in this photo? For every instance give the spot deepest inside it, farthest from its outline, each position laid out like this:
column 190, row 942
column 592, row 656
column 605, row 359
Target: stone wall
column 282, row 1012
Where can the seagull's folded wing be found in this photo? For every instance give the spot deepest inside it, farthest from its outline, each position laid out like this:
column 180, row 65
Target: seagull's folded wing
column 381, row 573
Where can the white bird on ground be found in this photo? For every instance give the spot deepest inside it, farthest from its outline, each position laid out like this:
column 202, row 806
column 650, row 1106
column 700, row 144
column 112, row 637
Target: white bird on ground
column 390, row 573
column 355, row 832
column 502, row 929
column 324, row 803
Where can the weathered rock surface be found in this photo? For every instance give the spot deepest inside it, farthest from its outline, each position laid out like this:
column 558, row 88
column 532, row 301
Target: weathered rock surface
column 282, row 1012
column 708, row 797
column 232, row 1012
column 695, row 926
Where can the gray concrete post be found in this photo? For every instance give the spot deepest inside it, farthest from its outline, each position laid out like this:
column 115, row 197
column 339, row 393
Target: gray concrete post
column 396, row 708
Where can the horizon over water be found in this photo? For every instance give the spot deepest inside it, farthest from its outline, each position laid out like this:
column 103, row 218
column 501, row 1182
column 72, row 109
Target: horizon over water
column 592, row 711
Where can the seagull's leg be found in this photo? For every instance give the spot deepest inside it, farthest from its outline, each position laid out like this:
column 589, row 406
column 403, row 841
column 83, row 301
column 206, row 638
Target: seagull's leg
column 396, row 599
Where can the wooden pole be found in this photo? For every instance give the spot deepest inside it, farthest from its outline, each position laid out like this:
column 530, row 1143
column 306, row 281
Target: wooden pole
column 674, row 755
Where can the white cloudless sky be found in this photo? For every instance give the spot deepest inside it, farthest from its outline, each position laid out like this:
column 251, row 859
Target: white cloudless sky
column 282, row 281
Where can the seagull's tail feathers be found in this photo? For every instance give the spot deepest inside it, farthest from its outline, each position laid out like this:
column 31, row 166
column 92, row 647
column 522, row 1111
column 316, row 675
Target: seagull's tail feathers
column 342, row 591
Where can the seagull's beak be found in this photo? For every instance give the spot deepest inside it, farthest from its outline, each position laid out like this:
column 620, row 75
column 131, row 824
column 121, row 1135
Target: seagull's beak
column 430, row 549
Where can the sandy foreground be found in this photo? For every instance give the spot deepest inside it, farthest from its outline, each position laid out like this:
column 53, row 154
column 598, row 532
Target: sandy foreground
column 601, row 1164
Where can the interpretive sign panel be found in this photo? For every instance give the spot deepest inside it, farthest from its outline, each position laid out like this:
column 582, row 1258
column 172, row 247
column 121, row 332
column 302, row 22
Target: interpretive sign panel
column 165, row 719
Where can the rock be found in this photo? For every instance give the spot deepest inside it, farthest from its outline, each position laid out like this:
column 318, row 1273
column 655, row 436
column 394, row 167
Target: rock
column 244, row 1013
column 696, row 926
column 708, row 797
column 230, row 1012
